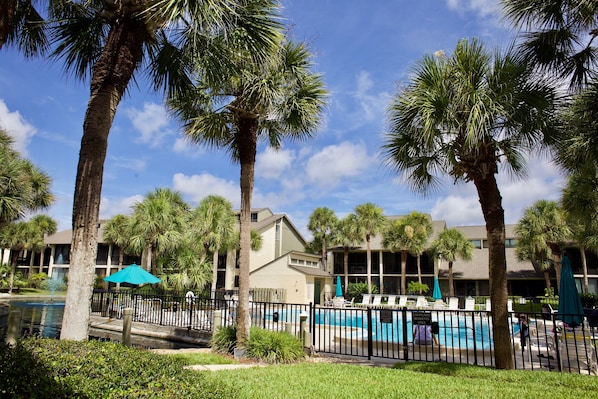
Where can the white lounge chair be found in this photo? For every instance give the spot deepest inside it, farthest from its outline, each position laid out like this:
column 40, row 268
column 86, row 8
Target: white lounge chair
column 453, row 303
column 488, row 305
column 578, row 352
column 377, row 300
column 402, row 301
column 365, row 300
column 392, row 301
column 421, row 303
column 510, row 305
column 469, row 303
column 439, row 304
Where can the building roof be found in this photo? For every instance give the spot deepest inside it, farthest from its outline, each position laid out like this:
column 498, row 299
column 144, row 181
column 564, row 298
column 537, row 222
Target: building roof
column 311, row 271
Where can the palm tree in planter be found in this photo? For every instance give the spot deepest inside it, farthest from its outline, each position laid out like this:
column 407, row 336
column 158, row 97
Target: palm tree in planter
column 450, row 245
column 462, row 115
column 370, row 221
column 279, row 98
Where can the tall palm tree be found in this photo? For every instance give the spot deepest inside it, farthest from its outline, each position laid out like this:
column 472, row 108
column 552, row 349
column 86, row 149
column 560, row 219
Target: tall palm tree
column 157, row 225
column 461, row 116
column 322, row 222
column 40, row 227
column 559, row 35
column 542, row 232
column 370, row 221
column 580, row 201
column 347, row 235
column 18, row 237
column 280, row 98
column 408, row 234
column 112, row 42
column 450, row 245
column 214, row 223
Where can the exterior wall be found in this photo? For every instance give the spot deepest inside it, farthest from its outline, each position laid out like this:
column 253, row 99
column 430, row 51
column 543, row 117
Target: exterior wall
column 267, row 253
column 290, row 240
column 279, row 275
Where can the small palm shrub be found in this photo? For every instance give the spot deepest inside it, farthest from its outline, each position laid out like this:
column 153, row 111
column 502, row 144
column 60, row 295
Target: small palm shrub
column 415, row 287
column 356, row 290
column 36, row 279
column 224, row 340
column 274, row 346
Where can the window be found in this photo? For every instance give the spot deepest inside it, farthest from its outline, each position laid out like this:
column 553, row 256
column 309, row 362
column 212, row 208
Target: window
column 510, row 243
column 254, row 216
column 476, row 243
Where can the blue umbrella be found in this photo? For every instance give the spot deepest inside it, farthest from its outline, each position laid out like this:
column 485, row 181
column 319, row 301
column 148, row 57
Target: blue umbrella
column 133, row 275
column 570, row 309
column 339, row 288
column 436, row 294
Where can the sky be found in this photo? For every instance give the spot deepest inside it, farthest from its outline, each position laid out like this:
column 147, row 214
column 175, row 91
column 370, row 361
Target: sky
column 364, row 49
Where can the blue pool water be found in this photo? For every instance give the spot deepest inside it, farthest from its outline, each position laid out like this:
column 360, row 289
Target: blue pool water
column 40, row 318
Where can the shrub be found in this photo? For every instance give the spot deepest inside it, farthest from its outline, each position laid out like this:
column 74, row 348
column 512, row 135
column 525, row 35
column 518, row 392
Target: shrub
column 356, row 291
column 415, row 287
column 36, row 279
column 274, row 346
column 224, row 340
column 588, row 300
column 52, row 285
column 42, row 368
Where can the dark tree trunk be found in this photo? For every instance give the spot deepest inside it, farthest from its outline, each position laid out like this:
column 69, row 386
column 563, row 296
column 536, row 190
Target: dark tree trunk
column 403, row 272
column 491, row 203
column 247, row 141
column 111, row 76
column 451, row 285
column 7, row 15
column 346, row 266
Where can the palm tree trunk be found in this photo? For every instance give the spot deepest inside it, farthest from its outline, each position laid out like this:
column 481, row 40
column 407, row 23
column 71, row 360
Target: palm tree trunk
column 111, row 75
column 247, row 138
column 14, row 255
column 547, row 279
column 214, row 274
column 450, row 275
column 369, row 262
column 403, row 272
column 584, row 266
column 346, row 266
column 494, row 215
column 419, row 272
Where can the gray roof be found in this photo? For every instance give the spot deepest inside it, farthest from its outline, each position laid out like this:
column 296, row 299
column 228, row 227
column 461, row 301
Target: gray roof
column 311, row 271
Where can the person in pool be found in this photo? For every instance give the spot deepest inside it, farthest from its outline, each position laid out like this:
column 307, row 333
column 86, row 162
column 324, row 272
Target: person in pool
column 423, row 335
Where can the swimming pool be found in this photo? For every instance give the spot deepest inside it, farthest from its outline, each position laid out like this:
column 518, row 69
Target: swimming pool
column 39, row 318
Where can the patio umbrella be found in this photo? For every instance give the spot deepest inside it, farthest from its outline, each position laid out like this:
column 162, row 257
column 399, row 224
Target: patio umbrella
column 436, row 294
column 570, row 309
column 339, row 288
column 132, row 274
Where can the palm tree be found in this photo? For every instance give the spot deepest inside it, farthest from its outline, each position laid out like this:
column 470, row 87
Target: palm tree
column 22, row 25
column 322, row 222
column 112, row 42
column 542, row 233
column 23, row 188
column 580, row 201
column 370, row 221
column 449, row 245
column 117, row 231
column 347, row 235
column 214, row 224
column 21, row 236
column 272, row 100
column 558, row 35
column 40, row 227
column 408, row 234
column 157, row 225
column 461, row 116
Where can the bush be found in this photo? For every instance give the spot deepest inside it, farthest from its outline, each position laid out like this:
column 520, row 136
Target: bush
column 43, row 368
column 415, row 287
column 224, row 340
column 36, row 279
column 588, row 300
column 274, row 346
column 356, row 290
column 53, row 285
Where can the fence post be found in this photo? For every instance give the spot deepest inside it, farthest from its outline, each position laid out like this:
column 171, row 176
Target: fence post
column 216, row 321
column 405, row 340
column 475, row 347
column 14, row 325
column 127, row 321
column 370, row 332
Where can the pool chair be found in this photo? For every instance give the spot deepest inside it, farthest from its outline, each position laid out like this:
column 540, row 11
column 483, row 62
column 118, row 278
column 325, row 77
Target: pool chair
column 422, row 303
column 488, row 305
column 365, row 300
column 392, row 301
column 402, row 301
column 453, row 303
column 578, row 353
column 377, row 300
column 469, row 303
column 439, row 304
column 510, row 305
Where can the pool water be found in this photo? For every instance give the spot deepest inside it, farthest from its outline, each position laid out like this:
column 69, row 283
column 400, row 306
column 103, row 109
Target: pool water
column 40, row 318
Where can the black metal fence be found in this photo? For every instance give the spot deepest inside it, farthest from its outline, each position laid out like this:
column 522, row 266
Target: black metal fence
column 540, row 340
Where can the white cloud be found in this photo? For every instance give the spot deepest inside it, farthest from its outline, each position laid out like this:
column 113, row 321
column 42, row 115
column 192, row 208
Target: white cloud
column 371, row 106
column 271, row 163
column 335, row 162
column 135, row 164
column 484, row 8
column 198, row 187
column 110, row 208
column 17, row 127
column 151, row 122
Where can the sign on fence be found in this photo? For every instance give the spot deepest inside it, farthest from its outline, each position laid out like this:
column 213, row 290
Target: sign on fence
column 421, row 318
column 385, row 316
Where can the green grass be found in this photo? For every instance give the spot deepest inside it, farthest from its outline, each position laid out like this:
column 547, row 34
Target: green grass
column 417, row 380
column 203, row 358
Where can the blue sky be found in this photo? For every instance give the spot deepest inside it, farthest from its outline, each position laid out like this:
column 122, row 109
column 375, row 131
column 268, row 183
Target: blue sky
column 364, row 49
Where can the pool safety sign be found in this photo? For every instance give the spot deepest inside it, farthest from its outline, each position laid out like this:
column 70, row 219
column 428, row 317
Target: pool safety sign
column 421, row 318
